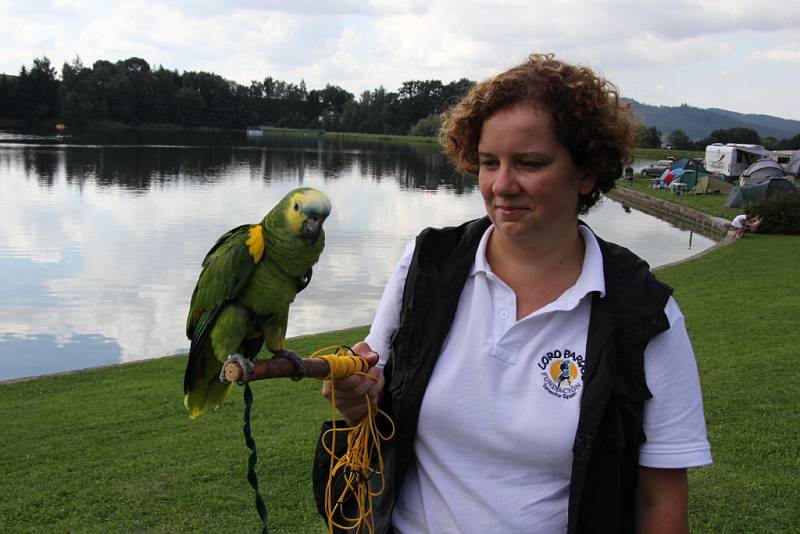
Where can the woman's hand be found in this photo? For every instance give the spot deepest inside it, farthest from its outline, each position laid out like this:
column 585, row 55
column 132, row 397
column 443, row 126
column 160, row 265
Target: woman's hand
column 350, row 391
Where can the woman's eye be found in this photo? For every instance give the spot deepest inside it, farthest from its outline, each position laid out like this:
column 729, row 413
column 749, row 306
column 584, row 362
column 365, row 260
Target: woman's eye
column 488, row 163
column 531, row 164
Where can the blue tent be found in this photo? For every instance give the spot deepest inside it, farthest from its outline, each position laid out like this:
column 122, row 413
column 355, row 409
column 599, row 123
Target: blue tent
column 689, row 164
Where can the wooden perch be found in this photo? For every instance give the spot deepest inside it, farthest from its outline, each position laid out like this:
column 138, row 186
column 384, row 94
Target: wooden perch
column 276, row 368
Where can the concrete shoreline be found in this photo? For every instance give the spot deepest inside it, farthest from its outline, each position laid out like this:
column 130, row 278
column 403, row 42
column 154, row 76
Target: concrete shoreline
column 716, row 228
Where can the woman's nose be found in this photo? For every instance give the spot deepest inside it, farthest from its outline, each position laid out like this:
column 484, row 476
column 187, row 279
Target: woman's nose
column 505, row 182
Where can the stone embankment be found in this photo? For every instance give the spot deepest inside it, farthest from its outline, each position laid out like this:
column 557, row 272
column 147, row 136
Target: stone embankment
column 713, row 227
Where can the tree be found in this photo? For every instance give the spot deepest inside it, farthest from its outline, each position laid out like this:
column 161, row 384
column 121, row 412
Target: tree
column 417, row 99
column 351, row 117
column 734, row 135
column 649, row 137
column 325, row 107
column 9, row 95
column 455, row 91
column 770, row 143
column 139, row 80
column 77, row 94
column 792, row 143
column 189, row 106
column 427, row 126
column 103, row 73
column 37, row 90
column 131, row 92
column 679, row 140
column 166, row 84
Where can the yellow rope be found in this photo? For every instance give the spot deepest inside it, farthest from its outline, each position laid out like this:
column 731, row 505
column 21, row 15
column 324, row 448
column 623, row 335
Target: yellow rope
column 355, row 467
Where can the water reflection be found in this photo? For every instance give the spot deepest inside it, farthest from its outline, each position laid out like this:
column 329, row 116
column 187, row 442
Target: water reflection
column 138, row 168
column 100, row 245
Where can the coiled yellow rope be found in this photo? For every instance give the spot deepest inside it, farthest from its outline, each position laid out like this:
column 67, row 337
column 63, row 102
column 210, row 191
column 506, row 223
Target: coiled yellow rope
column 356, row 467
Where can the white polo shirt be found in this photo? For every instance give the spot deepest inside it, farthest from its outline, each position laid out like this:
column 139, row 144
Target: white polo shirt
column 498, row 418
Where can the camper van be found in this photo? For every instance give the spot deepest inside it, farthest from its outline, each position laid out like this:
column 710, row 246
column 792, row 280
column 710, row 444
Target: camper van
column 730, row 159
column 783, row 156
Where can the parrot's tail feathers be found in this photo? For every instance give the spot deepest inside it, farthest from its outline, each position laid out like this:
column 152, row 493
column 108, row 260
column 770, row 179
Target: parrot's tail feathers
column 204, row 396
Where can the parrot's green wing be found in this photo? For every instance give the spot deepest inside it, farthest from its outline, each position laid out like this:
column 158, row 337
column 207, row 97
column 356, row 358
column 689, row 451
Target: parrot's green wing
column 249, row 280
column 227, row 269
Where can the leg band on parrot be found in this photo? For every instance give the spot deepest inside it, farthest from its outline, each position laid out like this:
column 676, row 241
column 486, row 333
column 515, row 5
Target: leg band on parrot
column 296, row 360
column 244, row 364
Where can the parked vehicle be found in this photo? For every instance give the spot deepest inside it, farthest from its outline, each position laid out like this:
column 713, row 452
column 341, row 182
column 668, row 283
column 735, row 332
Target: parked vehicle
column 731, row 159
column 654, row 170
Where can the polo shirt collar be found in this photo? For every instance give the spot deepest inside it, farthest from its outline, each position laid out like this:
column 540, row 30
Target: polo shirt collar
column 591, row 277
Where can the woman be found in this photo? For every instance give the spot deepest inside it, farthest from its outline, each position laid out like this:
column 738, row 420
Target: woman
column 541, row 379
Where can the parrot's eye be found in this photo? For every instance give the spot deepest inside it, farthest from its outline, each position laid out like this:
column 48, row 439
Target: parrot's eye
column 297, row 206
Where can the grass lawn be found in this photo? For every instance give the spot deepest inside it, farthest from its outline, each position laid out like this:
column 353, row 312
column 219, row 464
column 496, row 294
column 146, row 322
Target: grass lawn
column 742, row 307
column 383, row 137
column 645, row 153
column 111, row 450
column 712, row 203
column 664, row 153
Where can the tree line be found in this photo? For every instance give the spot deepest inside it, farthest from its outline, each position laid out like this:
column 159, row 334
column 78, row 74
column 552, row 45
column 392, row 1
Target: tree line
column 131, row 92
column 652, row 137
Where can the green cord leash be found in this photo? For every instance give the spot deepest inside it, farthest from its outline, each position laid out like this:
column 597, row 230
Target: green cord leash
column 252, row 477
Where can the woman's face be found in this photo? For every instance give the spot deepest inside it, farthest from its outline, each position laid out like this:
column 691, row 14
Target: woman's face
column 528, row 180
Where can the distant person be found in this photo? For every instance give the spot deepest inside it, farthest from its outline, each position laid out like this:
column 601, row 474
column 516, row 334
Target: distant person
column 738, row 223
column 742, row 223
column 755, row 223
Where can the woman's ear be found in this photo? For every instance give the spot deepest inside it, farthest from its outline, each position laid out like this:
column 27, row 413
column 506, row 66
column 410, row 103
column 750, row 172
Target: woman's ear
column 587, row 184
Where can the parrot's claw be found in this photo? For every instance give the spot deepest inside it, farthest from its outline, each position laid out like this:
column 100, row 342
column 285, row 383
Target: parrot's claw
column 297, row 362
column 244, row 364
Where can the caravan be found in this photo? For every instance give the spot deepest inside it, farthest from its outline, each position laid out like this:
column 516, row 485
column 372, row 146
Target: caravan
column 731, row 159
column 783, row 156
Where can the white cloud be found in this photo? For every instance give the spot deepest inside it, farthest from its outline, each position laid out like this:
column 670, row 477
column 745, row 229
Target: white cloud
column 788, row 54
column 361, row 45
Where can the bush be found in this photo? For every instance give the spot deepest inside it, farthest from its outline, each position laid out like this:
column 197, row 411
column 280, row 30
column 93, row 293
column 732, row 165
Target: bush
column 427, row 126
column 780, row 214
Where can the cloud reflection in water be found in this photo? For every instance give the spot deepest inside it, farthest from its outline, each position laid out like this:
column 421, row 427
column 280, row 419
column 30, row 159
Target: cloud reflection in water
column 100, row 247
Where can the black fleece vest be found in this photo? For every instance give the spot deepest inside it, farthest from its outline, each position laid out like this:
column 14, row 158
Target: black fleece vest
column 609, row 433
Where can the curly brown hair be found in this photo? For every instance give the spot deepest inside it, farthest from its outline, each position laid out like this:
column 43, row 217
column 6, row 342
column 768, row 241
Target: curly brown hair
column 590, row 121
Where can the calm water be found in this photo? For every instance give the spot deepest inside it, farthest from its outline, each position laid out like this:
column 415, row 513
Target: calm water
column 101, row 237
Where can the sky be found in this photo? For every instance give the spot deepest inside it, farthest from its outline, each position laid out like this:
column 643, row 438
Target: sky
column 739, row 55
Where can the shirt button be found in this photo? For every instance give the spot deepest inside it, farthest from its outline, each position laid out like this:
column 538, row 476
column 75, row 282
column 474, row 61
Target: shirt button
column 504, row 314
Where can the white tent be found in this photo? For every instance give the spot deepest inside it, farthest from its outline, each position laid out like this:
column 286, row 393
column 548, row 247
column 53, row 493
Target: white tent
column 793, row 167
column 761, row 170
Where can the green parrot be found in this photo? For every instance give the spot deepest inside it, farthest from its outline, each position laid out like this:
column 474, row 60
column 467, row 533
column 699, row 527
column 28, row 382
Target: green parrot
column 241, row 300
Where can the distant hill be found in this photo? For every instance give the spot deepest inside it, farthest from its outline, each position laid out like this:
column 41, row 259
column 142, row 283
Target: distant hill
column 698, row 122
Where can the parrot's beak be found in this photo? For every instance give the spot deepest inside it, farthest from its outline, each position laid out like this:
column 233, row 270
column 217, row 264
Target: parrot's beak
column 312, row 228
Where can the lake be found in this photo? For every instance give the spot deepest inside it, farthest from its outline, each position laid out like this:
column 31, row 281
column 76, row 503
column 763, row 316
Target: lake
column 102, row 235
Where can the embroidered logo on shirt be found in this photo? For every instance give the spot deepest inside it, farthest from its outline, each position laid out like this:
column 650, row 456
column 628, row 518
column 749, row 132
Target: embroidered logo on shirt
column 562, row 373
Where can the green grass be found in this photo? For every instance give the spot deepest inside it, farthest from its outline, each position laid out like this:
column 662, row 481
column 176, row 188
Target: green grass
column 383, row 137
column 645, row 153
column 111, row 450
column 712, row 203
column 742, row 307
column 664, row 153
